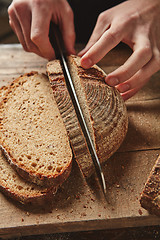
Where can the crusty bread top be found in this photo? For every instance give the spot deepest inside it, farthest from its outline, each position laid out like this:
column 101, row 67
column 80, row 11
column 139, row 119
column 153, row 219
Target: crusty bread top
column 32, row 131
column 102, row 106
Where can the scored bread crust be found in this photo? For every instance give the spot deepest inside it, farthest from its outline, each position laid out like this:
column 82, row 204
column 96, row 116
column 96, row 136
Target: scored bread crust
column 150, row 197
column 47, row 177
column 107, row 112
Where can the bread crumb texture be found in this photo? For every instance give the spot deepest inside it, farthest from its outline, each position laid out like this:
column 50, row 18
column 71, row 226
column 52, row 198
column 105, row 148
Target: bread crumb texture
column 32, row 130
column 11, row 182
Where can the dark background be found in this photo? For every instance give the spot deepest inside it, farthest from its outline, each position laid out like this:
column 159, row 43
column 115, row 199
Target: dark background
column 85, row 21
column 86, row 13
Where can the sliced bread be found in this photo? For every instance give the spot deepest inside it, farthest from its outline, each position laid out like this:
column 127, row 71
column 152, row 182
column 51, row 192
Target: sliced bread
column 150, row 197
column 12, row 185
column 32, row 131
column 103, row 108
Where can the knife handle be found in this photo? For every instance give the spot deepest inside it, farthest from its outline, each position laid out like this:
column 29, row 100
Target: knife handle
column 56, row 40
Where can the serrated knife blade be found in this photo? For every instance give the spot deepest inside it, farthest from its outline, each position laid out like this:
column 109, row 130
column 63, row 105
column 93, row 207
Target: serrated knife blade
column 58, row 45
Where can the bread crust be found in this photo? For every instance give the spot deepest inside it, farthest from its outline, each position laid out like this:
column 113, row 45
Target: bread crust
column 39, row 179
column 109, row 128
column 150, row 197
column 25, row 199
column 107, row 138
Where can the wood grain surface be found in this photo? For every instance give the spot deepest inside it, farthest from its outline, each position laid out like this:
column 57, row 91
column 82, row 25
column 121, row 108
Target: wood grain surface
column 78, row 205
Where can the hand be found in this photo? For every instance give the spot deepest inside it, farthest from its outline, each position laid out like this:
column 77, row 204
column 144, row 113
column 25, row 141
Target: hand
column 136, row 23
column 30, row 20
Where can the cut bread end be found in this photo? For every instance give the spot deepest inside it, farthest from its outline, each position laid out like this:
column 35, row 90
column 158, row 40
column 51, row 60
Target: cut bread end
column 102, row 106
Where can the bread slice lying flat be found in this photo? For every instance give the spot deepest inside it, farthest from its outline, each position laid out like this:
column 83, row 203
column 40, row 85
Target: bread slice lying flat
column 33, row 133
column 12, row 185
column 150, row 197
column 103, row 108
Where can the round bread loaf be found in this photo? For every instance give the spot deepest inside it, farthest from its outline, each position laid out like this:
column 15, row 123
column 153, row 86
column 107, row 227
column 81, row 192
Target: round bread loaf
column 102, row 106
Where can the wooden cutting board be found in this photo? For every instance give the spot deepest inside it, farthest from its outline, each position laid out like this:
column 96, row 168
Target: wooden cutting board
column 78, row 205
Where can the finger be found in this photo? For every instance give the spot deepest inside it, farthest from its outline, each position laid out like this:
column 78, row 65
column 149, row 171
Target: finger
column 132, row 83
column 129, row 94
column 24, row 25
column 141, row 55
column 14, row 23
column 40, row 31
column 107, row 41
column 101, row 26
column 68, row 31
column 142, row 76
column 26, row 29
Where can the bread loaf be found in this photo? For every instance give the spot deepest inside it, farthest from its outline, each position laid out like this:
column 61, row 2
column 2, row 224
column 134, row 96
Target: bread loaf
column 150, row 197
column 103, row 108
column 33, row 133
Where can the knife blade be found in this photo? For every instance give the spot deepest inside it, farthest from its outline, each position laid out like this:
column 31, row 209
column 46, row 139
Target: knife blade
column 58, row 45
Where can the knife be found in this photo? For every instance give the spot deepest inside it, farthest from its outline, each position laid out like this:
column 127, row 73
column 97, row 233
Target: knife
column 58, row 45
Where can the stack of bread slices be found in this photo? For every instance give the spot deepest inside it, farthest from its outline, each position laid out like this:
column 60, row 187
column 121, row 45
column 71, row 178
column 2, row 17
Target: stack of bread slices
column 40, row 133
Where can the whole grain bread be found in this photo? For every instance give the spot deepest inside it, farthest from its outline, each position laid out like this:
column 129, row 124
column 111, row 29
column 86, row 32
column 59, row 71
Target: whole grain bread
column 32, row 132
column 15, row 187
column 150, row 197
column 103, row 108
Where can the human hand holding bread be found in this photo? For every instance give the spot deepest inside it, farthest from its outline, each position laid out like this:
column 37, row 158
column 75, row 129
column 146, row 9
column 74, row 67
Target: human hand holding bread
column 135, row 23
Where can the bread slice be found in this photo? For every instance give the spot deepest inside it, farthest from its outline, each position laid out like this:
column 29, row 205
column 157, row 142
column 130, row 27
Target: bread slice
column 33, row 133
column 103, row 108
column 150, row 197
column 12, row 185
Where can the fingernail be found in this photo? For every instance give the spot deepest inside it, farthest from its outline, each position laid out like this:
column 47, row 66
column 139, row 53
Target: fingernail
column 123, row 88
column 86, row 63
column 112, row 81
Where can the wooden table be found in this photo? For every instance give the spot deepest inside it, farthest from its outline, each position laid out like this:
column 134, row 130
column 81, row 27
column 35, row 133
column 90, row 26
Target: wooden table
column 78, row 206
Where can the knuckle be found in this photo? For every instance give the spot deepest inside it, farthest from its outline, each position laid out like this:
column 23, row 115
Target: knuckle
column 10, row 10
column 19, row 5
column 36, row 36
column 133, row 17
column 38, row 2
column 114, row 35
column 147, row 51
column 69, row 11
column 157, row 58
column 44, row 7
column 101, row 17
